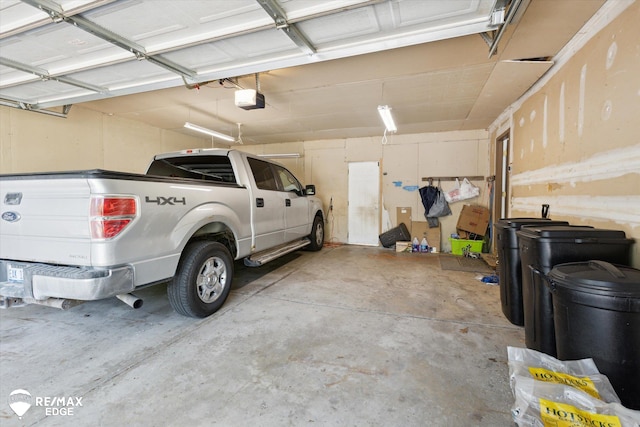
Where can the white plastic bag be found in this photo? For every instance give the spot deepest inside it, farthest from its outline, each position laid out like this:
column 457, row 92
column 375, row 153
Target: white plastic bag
column 581, row 374
column 543, row 404
column 463, row 191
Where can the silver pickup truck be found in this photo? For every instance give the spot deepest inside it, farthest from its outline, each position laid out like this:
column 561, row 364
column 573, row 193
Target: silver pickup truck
column 67, row 237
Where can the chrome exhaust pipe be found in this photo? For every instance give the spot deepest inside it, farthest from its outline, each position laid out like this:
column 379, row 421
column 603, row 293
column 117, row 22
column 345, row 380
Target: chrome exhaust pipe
column 61, row 303
column 131, row 300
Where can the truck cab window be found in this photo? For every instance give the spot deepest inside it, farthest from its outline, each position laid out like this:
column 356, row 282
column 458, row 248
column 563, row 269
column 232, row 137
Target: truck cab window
column 263, row 174
column 208, row 168
column 288, row 181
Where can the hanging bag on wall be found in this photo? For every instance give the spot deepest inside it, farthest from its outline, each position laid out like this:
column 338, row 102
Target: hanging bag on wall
column 463, row 191
column 440, row 206
column 429, row 195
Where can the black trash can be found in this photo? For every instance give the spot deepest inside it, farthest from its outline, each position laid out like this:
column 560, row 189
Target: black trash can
column 509, row 266
column 541, row 248
column 596, row 309
column 396, row 234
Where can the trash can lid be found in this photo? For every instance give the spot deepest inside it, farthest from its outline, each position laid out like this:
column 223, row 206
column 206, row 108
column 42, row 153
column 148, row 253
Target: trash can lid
column 569, row 232
column 519, row 222
column 597, row 277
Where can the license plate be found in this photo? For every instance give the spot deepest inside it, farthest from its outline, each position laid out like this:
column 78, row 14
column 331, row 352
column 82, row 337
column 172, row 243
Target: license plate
column 15, row 274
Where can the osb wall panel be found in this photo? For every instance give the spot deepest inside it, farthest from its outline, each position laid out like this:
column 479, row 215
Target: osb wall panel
column 36, row 142
column 31, row 142
column 294, row 165
column 575, row 141
column 404, row 160
column 327, row 167
column 5, row 140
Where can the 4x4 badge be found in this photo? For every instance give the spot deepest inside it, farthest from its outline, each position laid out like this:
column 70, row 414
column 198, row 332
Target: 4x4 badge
column 160, row 201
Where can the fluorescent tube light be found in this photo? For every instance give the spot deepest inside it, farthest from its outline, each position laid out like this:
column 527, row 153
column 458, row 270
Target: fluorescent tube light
column 280, row 156
column 385, row 114
column 209, row 132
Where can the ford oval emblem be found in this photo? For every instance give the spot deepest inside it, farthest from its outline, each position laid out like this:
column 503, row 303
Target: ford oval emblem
column 11, row 216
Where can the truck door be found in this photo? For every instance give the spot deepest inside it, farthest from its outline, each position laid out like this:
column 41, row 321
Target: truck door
column 296, row 212
column 268, row 206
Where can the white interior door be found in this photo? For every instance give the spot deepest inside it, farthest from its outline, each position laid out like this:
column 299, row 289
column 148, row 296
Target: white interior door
column 364, row 203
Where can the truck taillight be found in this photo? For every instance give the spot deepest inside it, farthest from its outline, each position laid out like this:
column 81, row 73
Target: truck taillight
column 113, row 206
column 111, row 215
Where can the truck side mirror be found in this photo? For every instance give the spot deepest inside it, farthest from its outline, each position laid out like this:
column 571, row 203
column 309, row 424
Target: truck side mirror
column 310, row 190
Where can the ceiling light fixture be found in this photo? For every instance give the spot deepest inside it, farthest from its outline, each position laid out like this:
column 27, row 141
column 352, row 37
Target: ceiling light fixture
column 209, row 132
column 280, row 156
column 385, row 114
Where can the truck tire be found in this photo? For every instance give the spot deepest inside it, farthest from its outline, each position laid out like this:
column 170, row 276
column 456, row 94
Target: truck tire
column 203, row 280
column 317, row 234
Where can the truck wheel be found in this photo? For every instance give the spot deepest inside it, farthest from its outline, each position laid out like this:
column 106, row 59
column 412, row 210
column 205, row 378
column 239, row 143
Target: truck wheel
column 317, row 234
column 203, row 280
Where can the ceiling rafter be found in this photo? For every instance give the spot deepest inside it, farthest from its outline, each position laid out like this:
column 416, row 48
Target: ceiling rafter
column 44, row 75
column 33, row 24
column 430, row 87
column 279, row 16
column 514, row 9
column 57, row 14
column 22, row 105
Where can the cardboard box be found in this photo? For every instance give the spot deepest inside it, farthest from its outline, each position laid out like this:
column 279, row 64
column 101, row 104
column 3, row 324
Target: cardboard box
column 473, row 219
column 464, row 234
column 402, row 246
column 421, row 229
column 417, row 229
column 403, row 216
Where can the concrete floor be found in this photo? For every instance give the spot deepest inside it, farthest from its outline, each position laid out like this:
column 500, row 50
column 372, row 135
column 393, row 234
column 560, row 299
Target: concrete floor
column 348, row 336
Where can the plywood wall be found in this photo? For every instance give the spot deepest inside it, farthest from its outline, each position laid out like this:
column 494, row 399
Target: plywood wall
column 86, row 139
column 575, row 142
column 404, row 161
column 574, row 145
column 31, row 142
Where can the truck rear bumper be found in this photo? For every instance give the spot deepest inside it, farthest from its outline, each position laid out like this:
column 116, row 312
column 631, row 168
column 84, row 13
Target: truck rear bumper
column 41, row 281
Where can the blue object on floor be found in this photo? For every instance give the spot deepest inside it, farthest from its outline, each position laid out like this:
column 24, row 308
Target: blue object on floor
column 490, row 279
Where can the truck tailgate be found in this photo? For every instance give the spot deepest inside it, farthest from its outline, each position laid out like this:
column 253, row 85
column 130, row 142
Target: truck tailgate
column 50, row 223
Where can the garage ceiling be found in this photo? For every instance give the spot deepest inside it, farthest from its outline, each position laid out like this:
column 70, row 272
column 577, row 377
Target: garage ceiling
column 323, row 67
